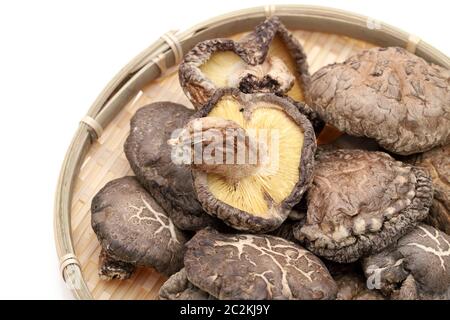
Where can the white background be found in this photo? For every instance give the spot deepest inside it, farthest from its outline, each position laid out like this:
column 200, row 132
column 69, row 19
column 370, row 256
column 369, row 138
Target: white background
column 55, row 58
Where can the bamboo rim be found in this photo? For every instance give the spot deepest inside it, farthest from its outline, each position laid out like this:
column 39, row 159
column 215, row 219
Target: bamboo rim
column 165, row 53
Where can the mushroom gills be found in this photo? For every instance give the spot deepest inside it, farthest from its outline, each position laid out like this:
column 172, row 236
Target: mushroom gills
column 227, row 69
column 275, row 180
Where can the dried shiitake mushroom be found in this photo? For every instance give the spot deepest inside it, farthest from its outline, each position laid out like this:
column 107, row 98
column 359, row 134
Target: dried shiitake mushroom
column 416, row 267
column 437, row 163
column 110, row 268
column 150, row 158
column 352, row 286
column 255, row 267
column 254, row 196
column 178, row 287
column 387, row 94
column 360, row 202
column 133, row 229
column 269, row 59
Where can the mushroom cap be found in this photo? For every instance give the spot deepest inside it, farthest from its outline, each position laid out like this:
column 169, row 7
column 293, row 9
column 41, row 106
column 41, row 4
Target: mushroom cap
column 215, row 64
column 417, row 266
column 217, row 196
column 252, row 50
column 150, row 158
column 255, row 267
column 133, row 228
column 387, row 94
column 110, row 268
column 437, row 163
column 178, row 287
column 360, row 202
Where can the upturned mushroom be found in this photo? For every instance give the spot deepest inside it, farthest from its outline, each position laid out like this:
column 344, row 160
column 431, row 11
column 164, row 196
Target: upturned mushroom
column 150, row 157
column 178, row 287
column 133, row 230
column 255, row 267
column 387, row 94
column 360, row 202
column 267, row 60
column 437, row 163
column 414, row 268
column 251, row 158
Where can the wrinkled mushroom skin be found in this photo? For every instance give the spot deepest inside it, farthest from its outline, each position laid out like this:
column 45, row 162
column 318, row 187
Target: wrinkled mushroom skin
column 178, row 287
column 416, row 267
column 352, row 286
column 387, row 94
column 133, row 228
column 110, row 268
column 149, row 156
column 240, row 219
column 437, row 163
column 360, row 202
column 255, row 267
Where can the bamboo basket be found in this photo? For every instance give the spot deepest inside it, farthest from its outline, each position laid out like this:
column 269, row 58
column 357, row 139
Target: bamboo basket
column 96, row 156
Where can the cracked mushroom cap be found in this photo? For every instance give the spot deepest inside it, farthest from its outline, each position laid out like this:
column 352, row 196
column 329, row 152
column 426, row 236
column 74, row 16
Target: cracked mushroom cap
column 133, row 228
column 255, row 159
column 387, row 94
column 178, row 287
column 360, row 202
column 269, row 59
column 437, row 163
column 255, row 267
column 150, row 158
column 416, row 267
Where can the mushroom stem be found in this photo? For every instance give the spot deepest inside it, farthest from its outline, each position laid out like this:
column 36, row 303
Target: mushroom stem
column 219, row 146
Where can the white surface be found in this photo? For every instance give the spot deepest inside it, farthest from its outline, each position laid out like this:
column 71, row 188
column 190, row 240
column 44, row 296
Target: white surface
column 56, row 56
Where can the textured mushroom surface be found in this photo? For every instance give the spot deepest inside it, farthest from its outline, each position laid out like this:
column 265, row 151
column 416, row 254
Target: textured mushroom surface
column 255, row 267
column 251, row 196
column 352, row 286
column 387, row 94
column 150, row 158
column 360, row 202
column 178, row 287
column 268, row 59
column 110, row 268
column 437, row 163
column 133, row 228
column 416, row 267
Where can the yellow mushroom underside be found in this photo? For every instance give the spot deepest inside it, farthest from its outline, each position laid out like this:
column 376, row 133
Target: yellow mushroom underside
column 277, row 182
column 222, row 64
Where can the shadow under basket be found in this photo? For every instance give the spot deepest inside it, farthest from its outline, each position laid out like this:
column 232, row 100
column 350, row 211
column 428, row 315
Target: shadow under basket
column 96, row 155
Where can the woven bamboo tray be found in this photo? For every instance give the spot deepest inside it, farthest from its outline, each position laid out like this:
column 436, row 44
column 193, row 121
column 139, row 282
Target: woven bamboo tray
column 96, row 156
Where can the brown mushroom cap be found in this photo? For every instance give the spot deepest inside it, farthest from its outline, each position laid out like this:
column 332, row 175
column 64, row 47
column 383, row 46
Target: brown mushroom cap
column 258, row 198
column 150, row 158
column 178, row 287
column 387, row 94
column 360, row 202
column 255, row 267
column 416, row 267
column 133, row 228
column 110, row 268
column 437, row 163
column 234, row 57
column 268, row 60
